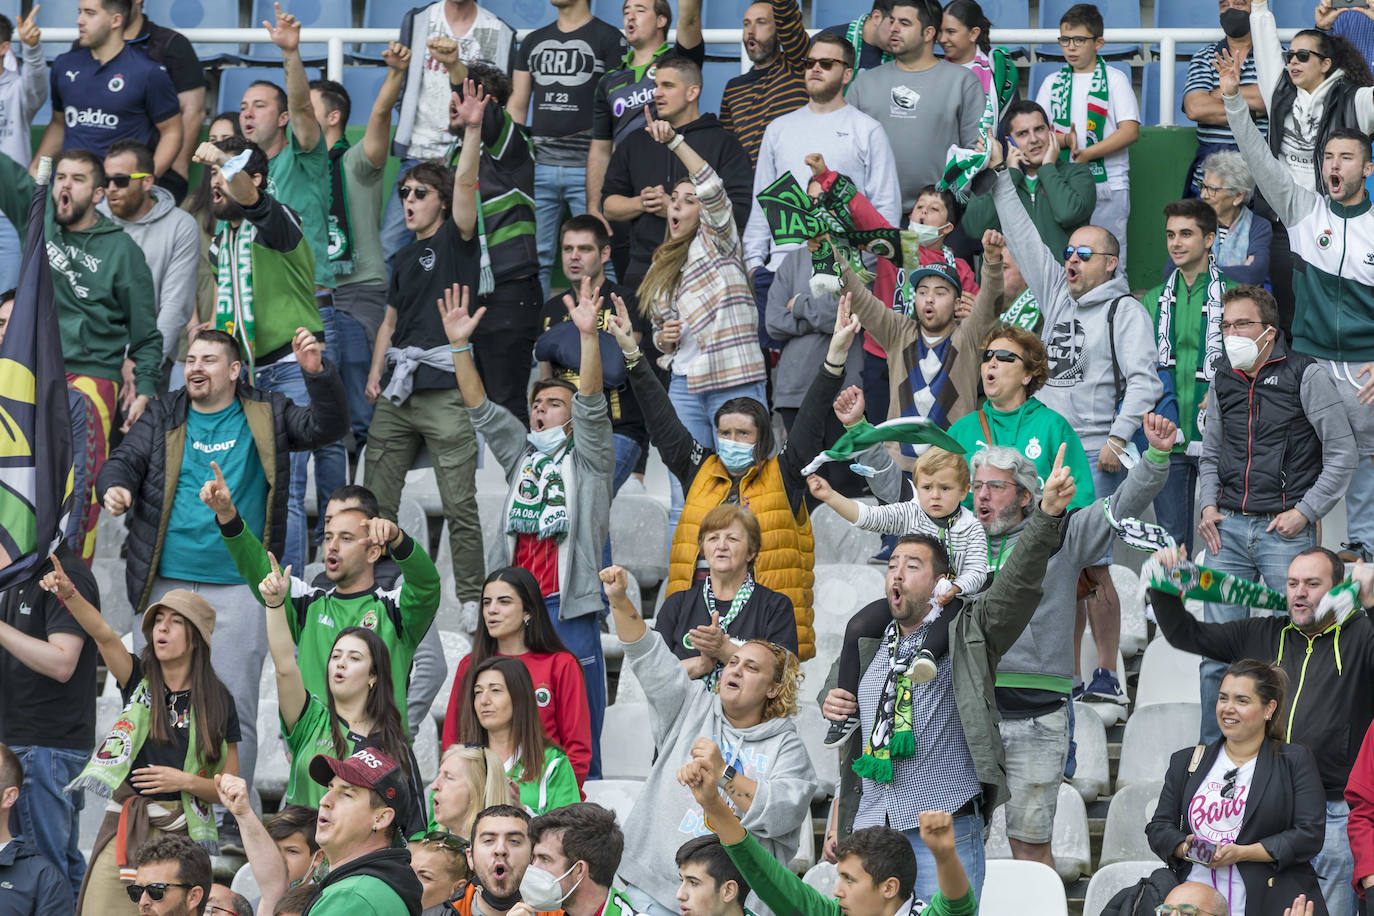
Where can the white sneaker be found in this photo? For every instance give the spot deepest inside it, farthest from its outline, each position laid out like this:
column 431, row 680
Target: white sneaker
column 468, row 616
column 923, row 668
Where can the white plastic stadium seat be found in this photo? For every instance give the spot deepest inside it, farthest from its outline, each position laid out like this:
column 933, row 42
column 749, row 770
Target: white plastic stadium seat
column 628, row 741
column 110, row 535
column 1133, row 632
column 1015, row 888
column 114, row 596
column 1123, row 838
column 426, row 748
column 246, row 883
column 456, row 645
column 1092, row 777
column 411, row 518
column 823, row 876
column 1108, row 880
column 639, row 536
column 839, row 541
column 841, row 589
column 812, row 726
column 1167, row 675
column 618, row 795
column 1152, row 735
column 273, row 769
column 1069, row 842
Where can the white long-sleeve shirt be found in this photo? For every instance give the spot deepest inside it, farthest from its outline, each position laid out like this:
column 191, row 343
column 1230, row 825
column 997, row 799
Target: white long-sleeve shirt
column 852, row 143
column 963, row 537
column 23, row 90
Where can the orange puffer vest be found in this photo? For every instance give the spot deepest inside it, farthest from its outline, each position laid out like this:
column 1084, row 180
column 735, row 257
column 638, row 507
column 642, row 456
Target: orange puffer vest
column 787, row 555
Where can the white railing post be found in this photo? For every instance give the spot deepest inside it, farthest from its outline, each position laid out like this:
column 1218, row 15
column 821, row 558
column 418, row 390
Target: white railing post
column 1167, row 89
column 334, row 63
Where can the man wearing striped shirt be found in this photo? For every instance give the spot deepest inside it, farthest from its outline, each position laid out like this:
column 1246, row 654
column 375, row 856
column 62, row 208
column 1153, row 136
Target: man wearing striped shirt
column 1202, row 94
column 776, row 42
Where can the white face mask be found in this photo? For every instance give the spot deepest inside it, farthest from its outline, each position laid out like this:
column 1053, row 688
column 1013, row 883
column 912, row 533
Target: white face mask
column 548, row 440
column 925, row 235
column 1242, row 352
column 541, row 890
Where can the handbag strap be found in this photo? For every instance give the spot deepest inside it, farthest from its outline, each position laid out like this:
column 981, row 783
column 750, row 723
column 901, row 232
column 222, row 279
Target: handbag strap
column 1198, row 751
column 987, row 430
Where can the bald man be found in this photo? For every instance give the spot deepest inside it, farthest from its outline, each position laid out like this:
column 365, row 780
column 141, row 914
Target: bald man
column 1208, row 900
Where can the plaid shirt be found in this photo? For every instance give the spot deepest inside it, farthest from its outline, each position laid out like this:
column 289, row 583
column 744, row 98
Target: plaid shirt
column 714, row 298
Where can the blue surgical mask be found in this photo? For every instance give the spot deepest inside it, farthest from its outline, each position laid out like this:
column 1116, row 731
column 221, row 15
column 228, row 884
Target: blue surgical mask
column 548, row 440
column 736, row 456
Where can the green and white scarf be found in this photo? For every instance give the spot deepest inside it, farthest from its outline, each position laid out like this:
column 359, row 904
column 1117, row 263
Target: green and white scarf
column 234, row 289
column 855, row 36
column 1189, row 580
column 540, row 506
column 963, row 164
column 1214, row 347
column 340, row 226
column 1061, row 103
column 1024, row 312
column 109, row 766
column 737, row 603
column 892, row 736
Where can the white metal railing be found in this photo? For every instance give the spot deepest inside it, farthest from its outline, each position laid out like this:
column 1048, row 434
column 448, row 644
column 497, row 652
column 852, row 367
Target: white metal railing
column 1167, row 41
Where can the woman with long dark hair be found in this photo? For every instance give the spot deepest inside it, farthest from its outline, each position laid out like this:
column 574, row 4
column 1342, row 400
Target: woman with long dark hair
column 358, row 708
column 500, row 712
column 515, row 623
column 178, row 728
column 1246, row 813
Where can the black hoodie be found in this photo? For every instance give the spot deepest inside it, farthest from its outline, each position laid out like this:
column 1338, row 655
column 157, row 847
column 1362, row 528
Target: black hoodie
column 641, row 162
column 373, row 877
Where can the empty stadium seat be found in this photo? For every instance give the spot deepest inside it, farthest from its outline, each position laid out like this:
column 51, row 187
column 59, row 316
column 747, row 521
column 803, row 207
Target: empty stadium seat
column 273, row 769
column 812, row 726
column 724, row 14
column 114, row 595
column 1123, row 838
column 1116, row 14
column 823, row 876
column 233, row 82
column 110, row 535
column 627, row 729
column 1149, row 93
column 312, row 14
column 639, row 537
column 618, row 795
column 841, row 589
column 805, row 856
column 246, row 883
column 1167, row 675
column 837, row 541
column 411, row 518
column 1069, row 845
column 426, row 749
column 1153, row 734
column 1015, row 888
column 456, row 645
column 825, row 13
column 198, row 14
column 715, row 74
column 363, row 84
column 1133, row 633
column 1293, row 14
column 1108, row 881
column 1092, row 776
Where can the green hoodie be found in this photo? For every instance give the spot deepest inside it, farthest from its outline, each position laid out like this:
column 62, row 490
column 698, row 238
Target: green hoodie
column 1035, row 431
column 102, row 285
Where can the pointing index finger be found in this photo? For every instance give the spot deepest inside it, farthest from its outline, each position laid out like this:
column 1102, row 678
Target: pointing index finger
column 1059, row 457
column 272, row 559
column 219, row 475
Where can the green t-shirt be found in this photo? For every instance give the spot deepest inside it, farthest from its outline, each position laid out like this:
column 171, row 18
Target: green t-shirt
column 311, row 736
column 193, row 549
column 554, row 788
column 1035, row 431
column 300, row 179
column 1187, row 337
column 365, row 200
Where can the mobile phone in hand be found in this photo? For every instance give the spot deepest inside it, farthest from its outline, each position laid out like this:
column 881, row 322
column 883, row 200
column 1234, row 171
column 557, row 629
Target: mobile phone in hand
column 1346, row 4
column 1201, row 851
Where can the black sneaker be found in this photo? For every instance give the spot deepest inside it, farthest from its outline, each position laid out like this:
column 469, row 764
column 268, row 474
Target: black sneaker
column 840, row 731
column 885, row 552
column 1351, row 551
column 923, row 668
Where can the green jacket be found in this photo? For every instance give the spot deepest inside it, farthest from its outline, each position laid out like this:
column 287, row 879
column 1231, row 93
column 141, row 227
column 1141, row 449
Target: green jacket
column 1187, row 338
column 1035, row 431
column 982, row 632
column 1064, row 200
column 554, row 788
column 102, row 285
column 400, row 615
column 783, row 892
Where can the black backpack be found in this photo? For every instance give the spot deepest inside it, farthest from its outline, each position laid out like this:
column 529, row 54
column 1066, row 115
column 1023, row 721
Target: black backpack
column 1141, row 898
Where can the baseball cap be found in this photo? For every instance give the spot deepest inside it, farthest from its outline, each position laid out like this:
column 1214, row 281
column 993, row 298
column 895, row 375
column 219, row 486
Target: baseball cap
column 945, row 272
column 370, row 768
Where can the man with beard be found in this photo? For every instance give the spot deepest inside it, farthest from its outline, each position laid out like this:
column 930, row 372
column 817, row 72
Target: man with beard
column 1328, row 656
column 1035, row 676
column 850, row 142
column 173, row 877
column 957, row 764
column 500, row 854
column 248, row 433
column 775, row 42
column 166, row 234
column 105, row 303
column 364, row 818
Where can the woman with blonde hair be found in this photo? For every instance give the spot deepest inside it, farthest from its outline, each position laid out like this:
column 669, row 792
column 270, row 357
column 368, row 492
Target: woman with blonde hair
column 470, row 778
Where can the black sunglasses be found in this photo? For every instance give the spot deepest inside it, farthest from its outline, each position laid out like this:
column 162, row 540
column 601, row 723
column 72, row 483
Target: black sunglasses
column 447, row 840
column 122, row 181
column 1002, row 356
column 1303, row 55
column 155, row 891
column 1228, row 787
column 825, row 63
column 1083, row 251
column 406, row 190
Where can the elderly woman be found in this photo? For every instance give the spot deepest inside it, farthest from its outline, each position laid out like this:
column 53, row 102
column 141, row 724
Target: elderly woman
column 1243, row 239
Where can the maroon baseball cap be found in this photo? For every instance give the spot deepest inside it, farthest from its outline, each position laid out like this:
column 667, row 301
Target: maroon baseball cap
column 370, row 768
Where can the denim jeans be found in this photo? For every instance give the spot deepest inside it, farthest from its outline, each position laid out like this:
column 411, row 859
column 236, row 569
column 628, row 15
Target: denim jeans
column 763, row 281
column 331, row 463
column 353, row 354
column 582, row 636
column 697, row 412
column 1248, row 551
column 11, row 254
column 554, row 186
column 49, row 819
column 1359, row 506
column 968, row 842
column 394, row 235
column 1336, row 863
column 1174, row 504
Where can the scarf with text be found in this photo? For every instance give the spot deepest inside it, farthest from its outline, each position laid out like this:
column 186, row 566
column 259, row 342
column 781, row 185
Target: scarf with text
column 1213, row 348
column 340, row 226
column 540, row 505
column 1024, row 312
column 234, row 285
column 1061, row 102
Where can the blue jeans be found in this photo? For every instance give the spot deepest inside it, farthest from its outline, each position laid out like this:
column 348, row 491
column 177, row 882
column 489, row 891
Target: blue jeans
column 1174, row 504
column 968, row 843
column 1336, row 863
column 49, row 819
column 697, row 412
column 1359, row 506
column 763, row 281
column 554, row 186
column 353, row 353
column 394, row 235
column 582, row 636
column 1248, row 551
column 11, row 254
column 331, row 463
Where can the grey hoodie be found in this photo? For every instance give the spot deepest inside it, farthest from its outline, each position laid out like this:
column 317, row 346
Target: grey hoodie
column 170, row 241
column 1042, row 657
column 22, row 93
column 682, row 710
column 1081, row 385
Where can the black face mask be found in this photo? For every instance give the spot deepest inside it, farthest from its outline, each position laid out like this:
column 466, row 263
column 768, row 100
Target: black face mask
column 1235, row 23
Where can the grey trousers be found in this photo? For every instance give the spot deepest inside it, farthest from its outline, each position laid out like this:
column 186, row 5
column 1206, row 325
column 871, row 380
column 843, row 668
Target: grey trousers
column 428, row 675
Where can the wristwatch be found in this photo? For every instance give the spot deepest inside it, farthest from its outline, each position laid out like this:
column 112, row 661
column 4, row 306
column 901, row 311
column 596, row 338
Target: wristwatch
column 728, row 777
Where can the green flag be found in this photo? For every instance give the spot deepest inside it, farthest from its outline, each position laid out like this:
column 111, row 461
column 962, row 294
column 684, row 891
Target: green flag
column 864, row 435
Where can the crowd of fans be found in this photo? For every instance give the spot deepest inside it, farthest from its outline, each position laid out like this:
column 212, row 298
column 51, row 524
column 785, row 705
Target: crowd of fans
column 242, row 294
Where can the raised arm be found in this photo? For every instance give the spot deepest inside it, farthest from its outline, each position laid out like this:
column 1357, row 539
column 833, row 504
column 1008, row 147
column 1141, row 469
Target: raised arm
column 1264, row 38
column 1043, row 272
column 376, row 138
column 471, row 105
column 286, row 34
column 629, row 626
column 265, row 861
column 459, row 325
column 275, row 590
column 688, row 25
column 117, row 659
column 584, row 312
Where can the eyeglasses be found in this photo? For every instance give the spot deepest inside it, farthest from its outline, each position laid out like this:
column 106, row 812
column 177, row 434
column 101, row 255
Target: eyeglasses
column 1303, row 55
column 996, row 486
column 1084, row 252
column 1228, row 786
column 212, row 910
column 406, row 191
column 825, row 63
column 122, row 181
column 1074, row 41
column 155, row 891
column 1181, row 909
column 451, row 841
column 1205, row 189
column 1243, row 324
column 1002, row 356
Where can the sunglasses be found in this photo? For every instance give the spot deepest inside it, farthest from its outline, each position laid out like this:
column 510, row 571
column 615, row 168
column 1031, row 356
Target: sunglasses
column 825, row 63
column 122, row 181
column 154, row 891
column 447, row 840
column 1228, row 786
column 407, row 190
column 1002, row 356
column 1083, row 251
column 1303, row 55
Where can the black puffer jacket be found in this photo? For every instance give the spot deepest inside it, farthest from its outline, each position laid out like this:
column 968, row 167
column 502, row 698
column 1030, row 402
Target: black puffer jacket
column 148, row 461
